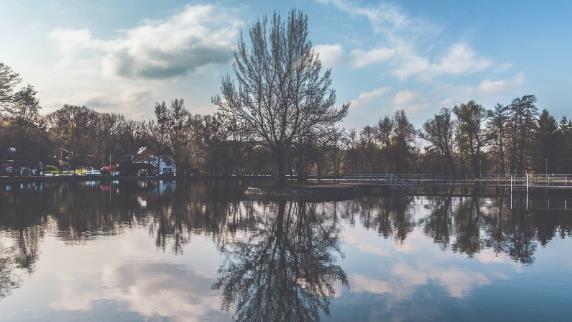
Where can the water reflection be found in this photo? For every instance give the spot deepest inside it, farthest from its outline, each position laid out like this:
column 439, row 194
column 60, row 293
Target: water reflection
column 391, row 217
column 276, row 260
column 7, row 279
column 286, row 269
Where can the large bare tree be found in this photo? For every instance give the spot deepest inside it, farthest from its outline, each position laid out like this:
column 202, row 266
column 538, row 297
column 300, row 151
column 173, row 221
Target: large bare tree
column 439, row 132
column 280, row 93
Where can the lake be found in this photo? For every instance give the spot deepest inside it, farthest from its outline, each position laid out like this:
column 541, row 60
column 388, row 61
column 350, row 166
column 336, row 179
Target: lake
column 200, row 251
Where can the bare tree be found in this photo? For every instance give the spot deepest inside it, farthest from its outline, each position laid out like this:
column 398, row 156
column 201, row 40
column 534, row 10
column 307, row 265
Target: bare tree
column 403, row 140
column 384, row 130
column 439, row 132
column 25, row 107
column 280, row 91
column 8, row 80
column 498, row 131
column 471, row 136
column 523, row 122
column 174, row 126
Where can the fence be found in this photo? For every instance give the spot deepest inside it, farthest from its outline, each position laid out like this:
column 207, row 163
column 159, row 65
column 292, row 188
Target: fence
column 523, row 181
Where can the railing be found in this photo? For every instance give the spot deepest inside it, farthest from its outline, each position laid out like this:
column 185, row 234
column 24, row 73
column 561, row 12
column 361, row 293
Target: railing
column 518, row 188
column 558, row 204
column 522, row 181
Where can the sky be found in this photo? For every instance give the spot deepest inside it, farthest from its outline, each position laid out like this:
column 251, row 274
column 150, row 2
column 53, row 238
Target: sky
column 419, row 56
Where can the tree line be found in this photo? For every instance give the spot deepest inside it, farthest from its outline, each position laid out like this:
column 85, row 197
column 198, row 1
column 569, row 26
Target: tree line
column 466, row 139
column 277, row 115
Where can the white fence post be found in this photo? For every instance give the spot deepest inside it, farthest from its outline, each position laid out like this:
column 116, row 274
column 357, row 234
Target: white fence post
column 526, row 190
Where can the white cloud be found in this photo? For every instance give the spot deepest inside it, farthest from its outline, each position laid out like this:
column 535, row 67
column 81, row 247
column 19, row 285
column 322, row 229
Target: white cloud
column 410, row 64
column 405, row 37
column 461, row 59
column 360, row 283
column 72, row 41
column 183, row 295
column 489, row 256
column 412, row 103
column 403, row 97
column 366, row 97
column 366, row 241
column 198, row 36
column 457, row 282
column 159, row 286
column 496, row 86
column 406, row 279
column 128, row 101
column 383, row 17
column 330, row 55
column 362, row 58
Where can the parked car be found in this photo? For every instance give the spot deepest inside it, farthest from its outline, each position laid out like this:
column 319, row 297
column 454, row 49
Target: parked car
column 107, row 170
column 92, row 172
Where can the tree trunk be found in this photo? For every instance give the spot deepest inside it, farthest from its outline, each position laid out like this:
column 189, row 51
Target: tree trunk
column 501, row 150
column 280, row 167
column 301, row 168
column 335, row 164
column 451, row 164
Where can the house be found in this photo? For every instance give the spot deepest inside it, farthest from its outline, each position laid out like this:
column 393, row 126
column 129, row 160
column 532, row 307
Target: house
column 146, row 163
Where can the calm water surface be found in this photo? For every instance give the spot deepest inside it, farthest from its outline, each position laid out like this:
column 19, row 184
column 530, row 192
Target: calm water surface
column 145, row 251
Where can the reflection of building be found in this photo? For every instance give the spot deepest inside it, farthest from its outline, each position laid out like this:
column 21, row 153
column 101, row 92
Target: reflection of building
column 167, row 166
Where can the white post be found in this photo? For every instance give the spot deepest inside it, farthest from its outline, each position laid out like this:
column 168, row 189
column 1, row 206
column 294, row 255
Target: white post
column 526, row 190
column 511, row 191
column 546, row 168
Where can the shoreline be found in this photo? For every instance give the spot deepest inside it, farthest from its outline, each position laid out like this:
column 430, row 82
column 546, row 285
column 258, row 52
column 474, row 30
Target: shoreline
column 6, row 179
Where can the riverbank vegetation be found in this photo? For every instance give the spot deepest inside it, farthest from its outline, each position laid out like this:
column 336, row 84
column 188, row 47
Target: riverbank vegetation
column 278, row 116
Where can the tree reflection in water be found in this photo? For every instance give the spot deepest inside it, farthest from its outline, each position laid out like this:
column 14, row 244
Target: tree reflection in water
column 286, row 269
column 472, row 223
column 7, row 278
column 391, row 216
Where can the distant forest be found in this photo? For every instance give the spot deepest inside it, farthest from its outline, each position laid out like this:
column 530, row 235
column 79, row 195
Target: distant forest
column 276, row 116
